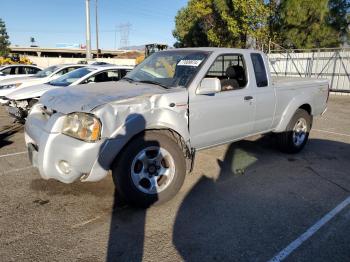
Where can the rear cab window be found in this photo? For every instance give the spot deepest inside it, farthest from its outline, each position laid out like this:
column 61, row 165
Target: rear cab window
column 259, row 70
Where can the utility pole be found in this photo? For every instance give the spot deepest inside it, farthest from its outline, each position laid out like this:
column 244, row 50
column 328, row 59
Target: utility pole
column 88, row 32
column 115, row 37
column 96, row 17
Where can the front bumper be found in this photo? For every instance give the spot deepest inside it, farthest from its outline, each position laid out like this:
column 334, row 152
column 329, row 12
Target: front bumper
column 59, row 156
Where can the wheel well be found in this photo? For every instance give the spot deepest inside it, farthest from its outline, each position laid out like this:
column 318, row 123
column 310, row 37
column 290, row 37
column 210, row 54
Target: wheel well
column 306, row 107
column 188, row 153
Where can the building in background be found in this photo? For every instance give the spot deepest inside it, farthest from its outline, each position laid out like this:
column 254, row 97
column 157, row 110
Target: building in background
column 69, row 51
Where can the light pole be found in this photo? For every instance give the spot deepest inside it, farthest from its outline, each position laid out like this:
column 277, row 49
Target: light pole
column 115, row 37
column 96, row 17
column 88, row 32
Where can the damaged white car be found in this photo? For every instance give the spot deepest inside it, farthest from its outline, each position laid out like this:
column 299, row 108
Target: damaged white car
column 50, row 73
column 21, row 101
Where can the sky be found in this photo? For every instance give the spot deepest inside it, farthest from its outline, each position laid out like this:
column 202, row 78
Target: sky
column 53, row 22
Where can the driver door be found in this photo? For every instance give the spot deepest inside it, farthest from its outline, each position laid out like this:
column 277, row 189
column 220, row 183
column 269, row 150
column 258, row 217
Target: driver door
column 227, row 115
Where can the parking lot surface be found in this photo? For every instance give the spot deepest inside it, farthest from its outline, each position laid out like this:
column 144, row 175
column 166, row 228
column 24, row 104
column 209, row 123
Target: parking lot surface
column 243, row 202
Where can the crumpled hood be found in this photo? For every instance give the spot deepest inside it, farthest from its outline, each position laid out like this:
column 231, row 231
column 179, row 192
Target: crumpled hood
column 84, row 98
column 30, row 92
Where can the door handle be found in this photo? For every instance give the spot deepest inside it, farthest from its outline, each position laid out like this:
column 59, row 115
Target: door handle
column 247, row 98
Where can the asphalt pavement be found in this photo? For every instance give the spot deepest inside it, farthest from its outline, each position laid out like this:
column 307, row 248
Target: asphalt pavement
column 243, row 202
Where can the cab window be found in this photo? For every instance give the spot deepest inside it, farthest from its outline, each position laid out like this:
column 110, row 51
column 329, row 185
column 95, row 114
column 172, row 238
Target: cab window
column 13, row 70
column 67, row 70
column 123, row 72
column 231, row 70
column 6, row 71
column 29, row 70
column 259, row 70
column 105, row 76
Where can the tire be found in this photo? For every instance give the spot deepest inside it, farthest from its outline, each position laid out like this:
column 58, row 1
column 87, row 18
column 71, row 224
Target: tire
column 145, row 160
column 297, row 132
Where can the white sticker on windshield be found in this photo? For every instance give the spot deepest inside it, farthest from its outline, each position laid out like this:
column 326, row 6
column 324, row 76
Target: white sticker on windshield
column 190, row 62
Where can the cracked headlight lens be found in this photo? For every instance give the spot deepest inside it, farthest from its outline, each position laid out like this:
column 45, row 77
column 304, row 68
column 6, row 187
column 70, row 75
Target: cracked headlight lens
column 82, row 126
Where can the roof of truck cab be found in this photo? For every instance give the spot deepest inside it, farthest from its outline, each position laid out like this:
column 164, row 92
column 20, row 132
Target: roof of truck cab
column 216, row 50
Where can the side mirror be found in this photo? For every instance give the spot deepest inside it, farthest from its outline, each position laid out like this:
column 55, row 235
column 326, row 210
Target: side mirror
column 209, row 86
column 2, row 74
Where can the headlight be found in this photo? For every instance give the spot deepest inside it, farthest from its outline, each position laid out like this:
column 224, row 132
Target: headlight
column 82, row 126
column 10, row 86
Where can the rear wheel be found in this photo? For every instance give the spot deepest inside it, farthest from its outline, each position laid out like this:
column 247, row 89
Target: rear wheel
column 150, row 169
column 296, row 135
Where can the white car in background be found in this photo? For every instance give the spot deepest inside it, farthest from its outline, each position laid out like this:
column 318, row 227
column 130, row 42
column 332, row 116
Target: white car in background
column 14, row 71
column 48, row 74
column 20, row 101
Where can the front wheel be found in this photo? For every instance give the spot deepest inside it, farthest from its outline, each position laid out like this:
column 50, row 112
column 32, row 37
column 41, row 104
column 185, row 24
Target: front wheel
column 150, row 169
column 296, row 135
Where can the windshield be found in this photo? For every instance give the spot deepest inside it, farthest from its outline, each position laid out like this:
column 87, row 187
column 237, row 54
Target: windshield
column 168, row 69
column 71, row 77
column 46, row 72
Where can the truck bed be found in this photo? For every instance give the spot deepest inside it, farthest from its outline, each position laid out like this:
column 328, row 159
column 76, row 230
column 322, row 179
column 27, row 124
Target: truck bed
column 281, row 81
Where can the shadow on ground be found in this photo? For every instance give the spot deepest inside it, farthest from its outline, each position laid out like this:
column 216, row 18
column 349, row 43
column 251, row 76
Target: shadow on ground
column 7, row 132
column 260, row 202
column 55, row 188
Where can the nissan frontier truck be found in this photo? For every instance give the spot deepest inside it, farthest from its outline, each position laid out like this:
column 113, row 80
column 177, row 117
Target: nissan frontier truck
column 147, row 127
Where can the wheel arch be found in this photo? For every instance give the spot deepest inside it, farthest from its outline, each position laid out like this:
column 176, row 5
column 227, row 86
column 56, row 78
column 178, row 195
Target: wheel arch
column 289, row 113
column 112, row 147
column 307, row 107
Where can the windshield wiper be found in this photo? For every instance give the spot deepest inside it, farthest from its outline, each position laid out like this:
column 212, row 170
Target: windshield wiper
column 153, row 83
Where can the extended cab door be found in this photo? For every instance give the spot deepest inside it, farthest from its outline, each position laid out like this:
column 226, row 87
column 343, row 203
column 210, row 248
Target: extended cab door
column 264, row 94
column 226, row 115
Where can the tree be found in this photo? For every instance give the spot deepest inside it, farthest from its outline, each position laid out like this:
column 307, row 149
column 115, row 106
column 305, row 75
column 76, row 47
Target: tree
column 222, row 23
column 339, row 18
column 4, row 39
column 304, row 24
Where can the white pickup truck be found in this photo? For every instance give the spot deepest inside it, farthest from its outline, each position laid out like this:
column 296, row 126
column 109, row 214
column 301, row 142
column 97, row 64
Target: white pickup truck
column 147, row 127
